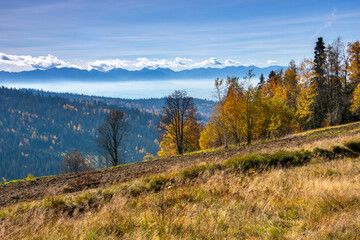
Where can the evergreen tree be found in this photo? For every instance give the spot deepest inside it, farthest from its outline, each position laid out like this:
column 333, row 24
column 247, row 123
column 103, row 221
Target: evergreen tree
column 261, row 81
column 272, row 74
column 321, row 101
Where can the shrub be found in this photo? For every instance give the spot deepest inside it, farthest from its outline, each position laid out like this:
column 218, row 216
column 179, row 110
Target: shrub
column 193, row 172
column 29, row 177
column 156, row 183
column 320, row 152
column 343, row 151
column 137, row 188
column 149, row 157
column 247, row 162
column 353, row 145
column 264, row 161
column 54, row 202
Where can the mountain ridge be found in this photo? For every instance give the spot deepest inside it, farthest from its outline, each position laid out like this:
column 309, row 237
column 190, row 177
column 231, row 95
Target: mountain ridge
column 143, row 74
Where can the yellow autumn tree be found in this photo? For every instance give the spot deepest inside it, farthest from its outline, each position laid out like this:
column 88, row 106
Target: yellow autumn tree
column 307, row 94
column 211, row 136
column 192, row 130
column 355, row 101
column 280, row 116
column 167, row 145
column 233, row 108
column 182, row 129
column 290, row 83
column 353, row 52
column 238, row 115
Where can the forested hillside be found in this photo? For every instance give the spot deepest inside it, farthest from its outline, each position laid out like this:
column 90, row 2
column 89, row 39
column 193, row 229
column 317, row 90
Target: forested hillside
column 153, row 105
column 35, row 132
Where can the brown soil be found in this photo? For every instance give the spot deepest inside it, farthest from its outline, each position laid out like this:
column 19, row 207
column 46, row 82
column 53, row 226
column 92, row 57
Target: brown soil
column 39, row 188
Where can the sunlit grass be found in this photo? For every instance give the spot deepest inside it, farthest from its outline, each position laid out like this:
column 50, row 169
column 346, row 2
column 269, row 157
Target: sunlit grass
column 282, row 196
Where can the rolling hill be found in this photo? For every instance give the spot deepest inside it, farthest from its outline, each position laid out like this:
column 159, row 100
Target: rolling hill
column 301, row 186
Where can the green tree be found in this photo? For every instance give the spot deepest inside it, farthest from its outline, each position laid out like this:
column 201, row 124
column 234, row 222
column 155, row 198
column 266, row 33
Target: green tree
column 261, row 81
column 321, row 100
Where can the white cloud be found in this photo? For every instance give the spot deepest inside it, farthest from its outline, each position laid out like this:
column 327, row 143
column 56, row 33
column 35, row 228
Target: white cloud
column 139, row 63
column 21, row 63
column 175, row 64
column 230, row 62
column 211, row 62
column 41, row 62
column 106, row 65
column 271, row 62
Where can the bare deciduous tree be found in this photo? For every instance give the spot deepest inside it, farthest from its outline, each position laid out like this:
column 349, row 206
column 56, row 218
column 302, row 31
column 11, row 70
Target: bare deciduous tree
column 111, row 136
column 75, row 163
column 178, row 109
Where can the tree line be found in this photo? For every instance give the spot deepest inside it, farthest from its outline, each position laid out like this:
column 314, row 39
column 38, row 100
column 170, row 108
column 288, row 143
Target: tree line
column 318, row 92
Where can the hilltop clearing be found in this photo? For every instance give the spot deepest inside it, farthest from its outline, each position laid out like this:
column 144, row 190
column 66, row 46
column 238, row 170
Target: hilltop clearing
column 38, row 188
column 270, row 194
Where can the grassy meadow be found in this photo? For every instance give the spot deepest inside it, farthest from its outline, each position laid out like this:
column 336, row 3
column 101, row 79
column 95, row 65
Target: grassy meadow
column 311, row 191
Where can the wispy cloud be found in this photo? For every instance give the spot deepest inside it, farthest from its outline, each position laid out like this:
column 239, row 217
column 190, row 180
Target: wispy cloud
column 328, row 23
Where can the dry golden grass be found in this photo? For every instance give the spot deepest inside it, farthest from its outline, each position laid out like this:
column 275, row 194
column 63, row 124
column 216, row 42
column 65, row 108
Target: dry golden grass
column 319, row 200
column 316, row 201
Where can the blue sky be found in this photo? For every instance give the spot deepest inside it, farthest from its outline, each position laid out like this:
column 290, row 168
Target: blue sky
column 168, row 33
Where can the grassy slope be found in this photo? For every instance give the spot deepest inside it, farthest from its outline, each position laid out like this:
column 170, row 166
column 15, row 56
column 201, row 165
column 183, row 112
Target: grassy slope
column 230, row 198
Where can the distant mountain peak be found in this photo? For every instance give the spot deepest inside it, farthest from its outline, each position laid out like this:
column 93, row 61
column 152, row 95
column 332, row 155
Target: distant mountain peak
column 146, row 73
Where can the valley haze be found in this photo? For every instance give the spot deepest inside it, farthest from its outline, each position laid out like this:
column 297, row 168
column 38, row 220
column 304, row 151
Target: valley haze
column 144, row 83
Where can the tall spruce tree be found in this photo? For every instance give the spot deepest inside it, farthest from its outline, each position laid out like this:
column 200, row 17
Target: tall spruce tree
column 321, row 101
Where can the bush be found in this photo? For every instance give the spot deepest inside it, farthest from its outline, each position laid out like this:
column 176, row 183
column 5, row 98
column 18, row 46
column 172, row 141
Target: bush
column 343, row 151
column 149, row 157
column 265, row 161
column 29, row 177
column 193, row 172
column 353, row 145
column 156, row 183
column 320, row 152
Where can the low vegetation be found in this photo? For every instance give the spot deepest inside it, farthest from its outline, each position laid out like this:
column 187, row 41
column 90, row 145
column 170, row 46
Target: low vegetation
column 293, row 194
